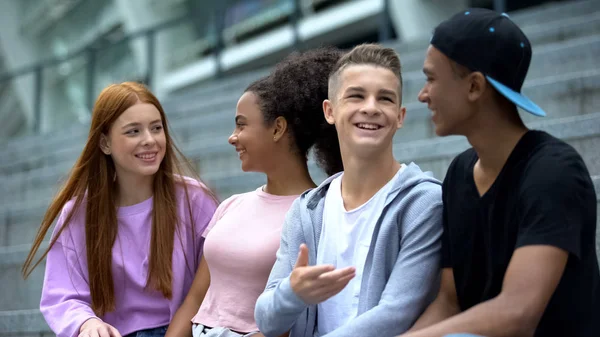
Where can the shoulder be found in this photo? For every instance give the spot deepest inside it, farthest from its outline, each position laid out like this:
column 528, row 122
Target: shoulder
column 551, row 150
column 418, row 186
column 197, row 193
column 233, row 204
column 234, row 201
column 553, row 163
column 315, row 195
column 76, row 225
column 461, row 163
column 426, row 195
column 427, row 189
column 77, row 211
column 421, row 200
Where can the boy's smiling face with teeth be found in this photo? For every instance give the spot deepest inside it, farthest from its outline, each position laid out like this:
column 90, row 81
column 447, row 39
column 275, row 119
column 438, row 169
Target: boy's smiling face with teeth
column 366, row 108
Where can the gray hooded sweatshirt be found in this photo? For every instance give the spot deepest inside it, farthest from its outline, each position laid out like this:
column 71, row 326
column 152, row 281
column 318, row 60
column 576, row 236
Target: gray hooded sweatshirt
column 401, row 274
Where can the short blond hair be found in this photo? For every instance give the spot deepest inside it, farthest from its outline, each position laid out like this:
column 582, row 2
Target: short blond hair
column 371, row 54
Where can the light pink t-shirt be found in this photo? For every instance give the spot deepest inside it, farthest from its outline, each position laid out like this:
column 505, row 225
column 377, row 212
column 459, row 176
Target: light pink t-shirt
column 241, row 242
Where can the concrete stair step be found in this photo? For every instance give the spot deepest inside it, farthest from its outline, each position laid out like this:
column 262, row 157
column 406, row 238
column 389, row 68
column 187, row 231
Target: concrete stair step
column 562, row 96
column 222, row 95
column 23, row 323
column 553, row 11
column 582, row 132
column 578, row 55
column 526, row 18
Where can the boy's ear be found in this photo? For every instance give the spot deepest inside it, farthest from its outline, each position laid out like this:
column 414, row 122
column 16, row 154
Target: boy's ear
column 328, row 111
column 401, row 114
column 477, row 85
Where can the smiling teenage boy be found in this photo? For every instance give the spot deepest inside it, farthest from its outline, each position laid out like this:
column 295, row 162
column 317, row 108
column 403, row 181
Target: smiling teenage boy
column 519, row 206
column 360, row 254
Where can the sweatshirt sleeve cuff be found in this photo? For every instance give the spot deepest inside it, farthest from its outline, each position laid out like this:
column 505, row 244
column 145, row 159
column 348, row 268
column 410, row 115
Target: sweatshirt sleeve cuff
column 288, row 298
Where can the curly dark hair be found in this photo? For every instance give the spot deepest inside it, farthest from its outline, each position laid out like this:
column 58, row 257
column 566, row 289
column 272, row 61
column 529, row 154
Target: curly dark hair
column 295, row 90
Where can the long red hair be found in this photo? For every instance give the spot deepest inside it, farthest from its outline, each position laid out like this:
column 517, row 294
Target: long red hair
column 92, row 179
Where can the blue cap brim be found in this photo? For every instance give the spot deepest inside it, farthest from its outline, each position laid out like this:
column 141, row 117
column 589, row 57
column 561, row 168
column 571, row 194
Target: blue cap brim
column 517, row 98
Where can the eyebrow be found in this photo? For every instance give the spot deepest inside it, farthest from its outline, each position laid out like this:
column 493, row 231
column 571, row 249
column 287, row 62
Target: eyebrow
column 138, row 124
column 427, row 71
column 381, row 91
column 388, row 92
column 238, row 117
column 361, row 89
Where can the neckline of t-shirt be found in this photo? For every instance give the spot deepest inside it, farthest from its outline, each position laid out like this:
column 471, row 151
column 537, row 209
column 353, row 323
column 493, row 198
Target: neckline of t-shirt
column 384, row 189
column 261, row 193
column 143, row 206
column 523, row 142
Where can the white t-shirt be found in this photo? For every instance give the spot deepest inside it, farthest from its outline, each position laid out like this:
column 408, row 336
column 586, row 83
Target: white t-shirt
column 344, row 242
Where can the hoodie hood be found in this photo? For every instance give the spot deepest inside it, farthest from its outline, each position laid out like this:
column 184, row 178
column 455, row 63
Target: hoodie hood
column 409, row 178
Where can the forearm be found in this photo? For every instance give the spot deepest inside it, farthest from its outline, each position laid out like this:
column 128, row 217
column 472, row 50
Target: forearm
column 490, row 318
column 67, row 323
column 181, row 324
column 379, row 321
column 439, row 310
column 277, row 309
column 65, row 300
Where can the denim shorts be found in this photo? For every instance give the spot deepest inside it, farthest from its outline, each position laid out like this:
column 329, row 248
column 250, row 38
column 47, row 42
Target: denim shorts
column 154, row 332
column 199, row 330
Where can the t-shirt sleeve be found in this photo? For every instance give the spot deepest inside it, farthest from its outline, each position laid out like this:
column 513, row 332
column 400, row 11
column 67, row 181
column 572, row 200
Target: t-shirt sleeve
column 221, row 210
column 446, row 261
column 446, row 258
column 553, row 202
column 213, row 221
column 203, row 208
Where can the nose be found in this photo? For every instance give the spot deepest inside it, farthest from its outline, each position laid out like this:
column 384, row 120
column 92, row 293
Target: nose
column 370, row 106
column 148, row 139
column 233, row 138
column 423, row 96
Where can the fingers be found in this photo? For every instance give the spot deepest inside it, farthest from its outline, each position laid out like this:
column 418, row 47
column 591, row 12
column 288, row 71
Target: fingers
column 334, row 287
column 315, row 272
column 113, row 331
column 334, row 275
column 325, row 296
column 302, row 260
column 99, row 329
column 345, row 279
column 103, row 331
column 325, row 292
column 323, row 276
column 93, row 333
column 314, row 284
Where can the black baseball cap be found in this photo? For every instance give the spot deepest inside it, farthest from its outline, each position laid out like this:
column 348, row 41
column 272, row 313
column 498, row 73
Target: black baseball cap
column 489, row 42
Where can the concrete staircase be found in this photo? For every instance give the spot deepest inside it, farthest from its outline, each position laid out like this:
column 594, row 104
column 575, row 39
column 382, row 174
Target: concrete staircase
column 564, row 79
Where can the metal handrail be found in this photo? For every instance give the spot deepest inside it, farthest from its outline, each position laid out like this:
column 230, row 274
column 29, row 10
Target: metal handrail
column 90, row 52
column 56, row 60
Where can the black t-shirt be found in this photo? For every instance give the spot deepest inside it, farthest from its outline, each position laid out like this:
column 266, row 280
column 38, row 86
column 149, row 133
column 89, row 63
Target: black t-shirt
column 543, row 196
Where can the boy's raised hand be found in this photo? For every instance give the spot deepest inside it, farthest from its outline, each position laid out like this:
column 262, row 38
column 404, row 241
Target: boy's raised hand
column 316, row 284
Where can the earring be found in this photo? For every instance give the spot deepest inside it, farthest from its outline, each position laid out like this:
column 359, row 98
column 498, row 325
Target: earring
column 274, row 139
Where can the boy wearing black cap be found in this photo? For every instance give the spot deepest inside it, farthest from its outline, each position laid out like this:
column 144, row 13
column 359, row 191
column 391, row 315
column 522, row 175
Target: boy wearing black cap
column 518, row 251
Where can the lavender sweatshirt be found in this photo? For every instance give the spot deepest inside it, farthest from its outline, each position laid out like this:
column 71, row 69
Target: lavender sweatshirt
column 66, row 301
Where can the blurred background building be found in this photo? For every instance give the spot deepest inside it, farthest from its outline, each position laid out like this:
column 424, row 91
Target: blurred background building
column 199, row 55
